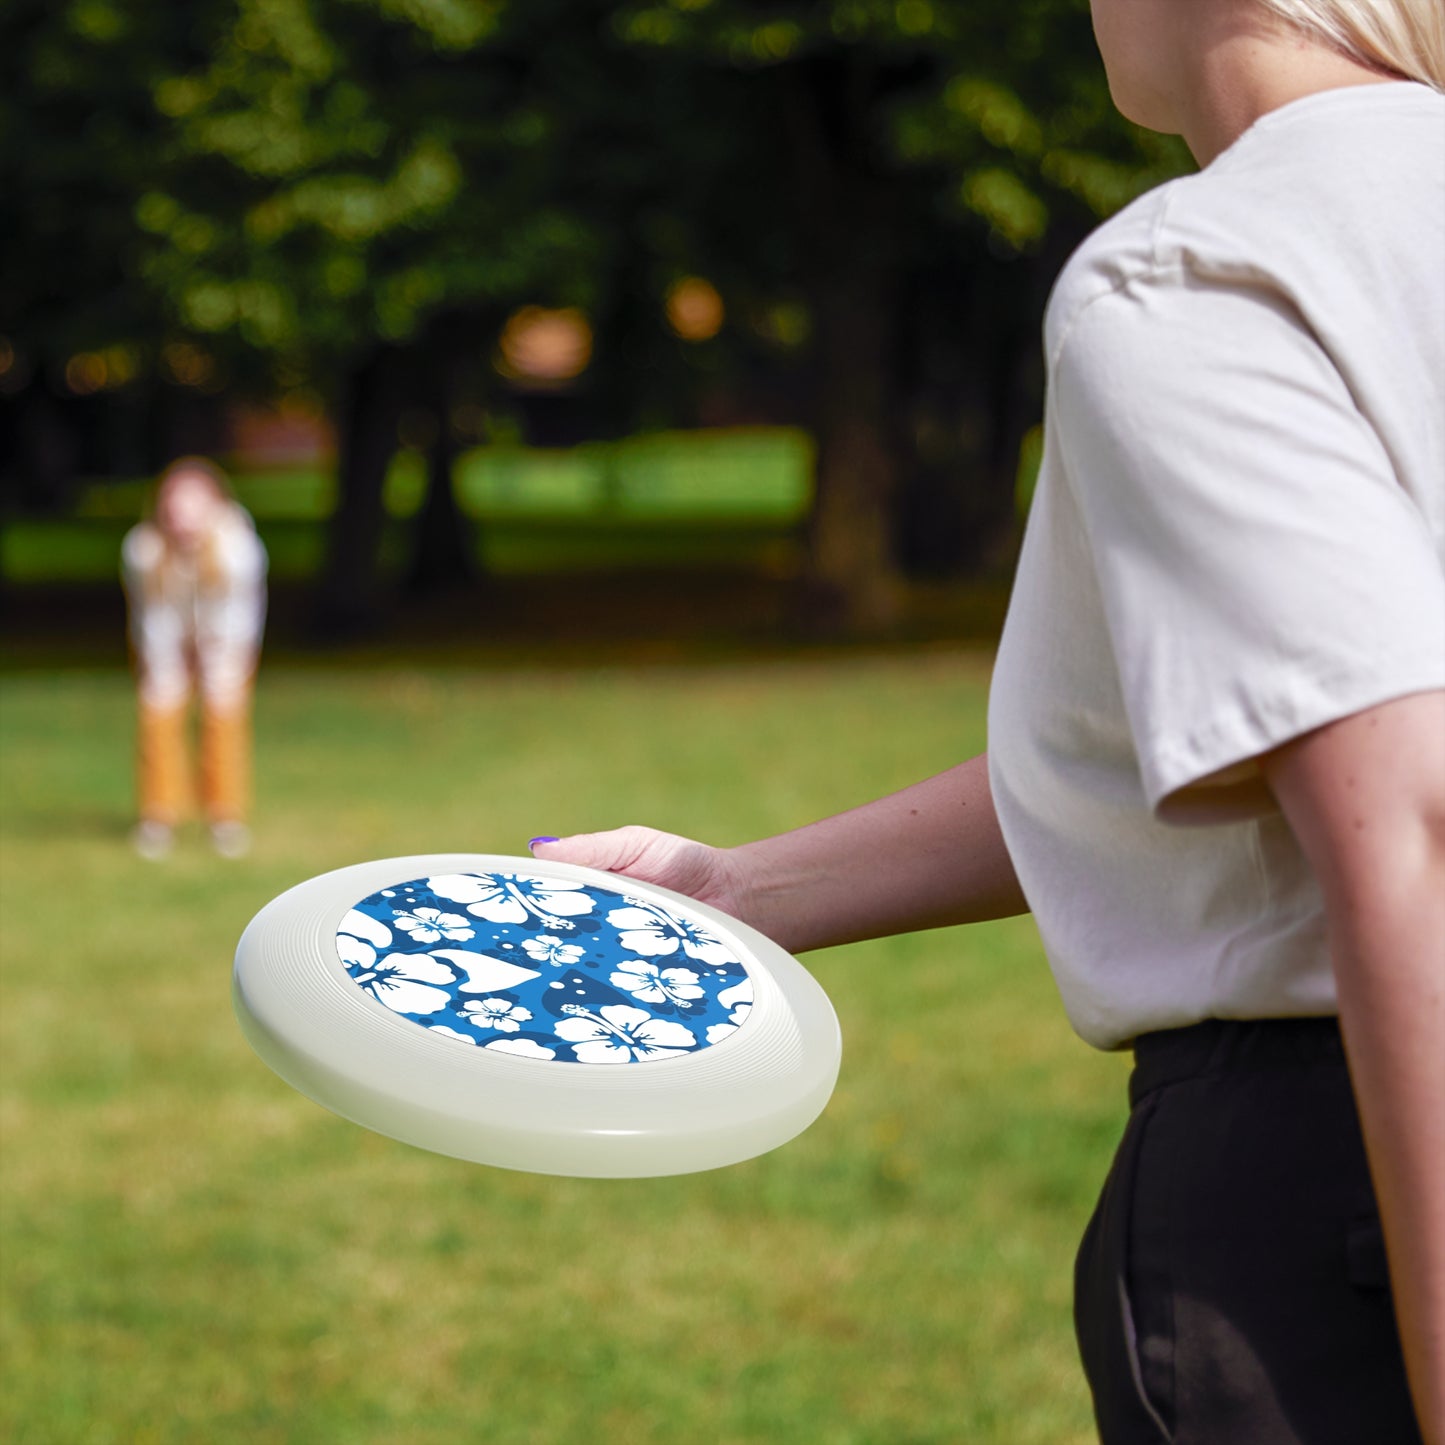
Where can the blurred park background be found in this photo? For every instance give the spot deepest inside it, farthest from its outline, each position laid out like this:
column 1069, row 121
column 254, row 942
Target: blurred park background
column 639, row 403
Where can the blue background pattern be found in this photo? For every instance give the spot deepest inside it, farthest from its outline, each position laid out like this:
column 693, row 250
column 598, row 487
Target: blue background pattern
column 546, row 968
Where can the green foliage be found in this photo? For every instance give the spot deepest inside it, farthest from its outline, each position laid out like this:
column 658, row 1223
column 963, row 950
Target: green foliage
column 192, row 1251
column 1004, row 106
column 353, row 195
column 341, row 172
column 298, row 178
column 79, row 140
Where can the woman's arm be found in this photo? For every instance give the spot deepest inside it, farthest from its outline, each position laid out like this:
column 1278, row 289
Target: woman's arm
column 926, row 857
column 1366, row 799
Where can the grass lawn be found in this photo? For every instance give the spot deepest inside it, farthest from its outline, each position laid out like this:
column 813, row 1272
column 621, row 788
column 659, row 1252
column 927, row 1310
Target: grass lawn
column 194, row 1253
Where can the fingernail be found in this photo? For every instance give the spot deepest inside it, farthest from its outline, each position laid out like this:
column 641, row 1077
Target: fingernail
column 532, row 843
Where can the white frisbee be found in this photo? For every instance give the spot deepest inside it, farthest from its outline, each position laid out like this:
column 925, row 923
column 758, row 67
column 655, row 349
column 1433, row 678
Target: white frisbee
column 536, row 1016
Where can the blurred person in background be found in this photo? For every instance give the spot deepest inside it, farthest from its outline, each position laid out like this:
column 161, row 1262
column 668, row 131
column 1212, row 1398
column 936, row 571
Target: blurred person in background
column 1216, row 767
column 195, row 583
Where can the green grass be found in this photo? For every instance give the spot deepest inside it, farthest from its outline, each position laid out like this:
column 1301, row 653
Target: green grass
column 193, row 1252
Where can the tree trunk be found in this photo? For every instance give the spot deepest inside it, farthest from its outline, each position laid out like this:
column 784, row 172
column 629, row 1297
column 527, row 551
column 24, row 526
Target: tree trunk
column 442, row 557
column 46, row 451
column 350, row 601
column 852, row 566
column 851, row 265
column 973, row 386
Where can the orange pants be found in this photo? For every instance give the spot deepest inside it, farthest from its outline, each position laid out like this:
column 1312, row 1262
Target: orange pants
column 163, row 762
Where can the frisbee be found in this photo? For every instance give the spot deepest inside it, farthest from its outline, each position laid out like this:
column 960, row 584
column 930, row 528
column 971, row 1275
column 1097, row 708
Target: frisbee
column 535, row 1015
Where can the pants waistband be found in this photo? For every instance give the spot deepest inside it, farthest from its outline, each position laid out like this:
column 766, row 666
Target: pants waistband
column 1225, row 1046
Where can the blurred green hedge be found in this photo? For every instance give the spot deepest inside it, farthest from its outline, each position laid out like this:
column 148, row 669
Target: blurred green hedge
column 672, row 498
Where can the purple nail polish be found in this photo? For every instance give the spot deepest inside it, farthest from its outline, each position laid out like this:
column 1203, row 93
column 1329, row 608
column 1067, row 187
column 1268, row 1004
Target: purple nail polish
column 532, row 843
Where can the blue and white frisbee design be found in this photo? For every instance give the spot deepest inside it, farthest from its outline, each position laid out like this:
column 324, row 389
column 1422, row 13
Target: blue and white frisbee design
column 536, row 1015
column 546, row 968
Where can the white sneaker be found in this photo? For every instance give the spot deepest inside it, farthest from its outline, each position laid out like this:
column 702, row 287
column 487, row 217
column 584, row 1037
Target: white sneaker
column 231, row 839
column 152, row 840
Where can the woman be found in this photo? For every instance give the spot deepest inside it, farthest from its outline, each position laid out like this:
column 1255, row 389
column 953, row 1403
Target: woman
column 195, row 583
column 1217, row 760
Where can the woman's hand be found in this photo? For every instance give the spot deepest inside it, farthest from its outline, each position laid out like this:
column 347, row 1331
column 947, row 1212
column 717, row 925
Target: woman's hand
column 711, row 875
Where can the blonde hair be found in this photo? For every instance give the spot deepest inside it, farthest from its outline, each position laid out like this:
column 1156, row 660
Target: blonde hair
column 1404, row 37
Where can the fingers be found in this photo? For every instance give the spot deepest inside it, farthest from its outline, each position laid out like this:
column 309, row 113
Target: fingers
column 642, row 853
column 614, row 851
column 650, row 856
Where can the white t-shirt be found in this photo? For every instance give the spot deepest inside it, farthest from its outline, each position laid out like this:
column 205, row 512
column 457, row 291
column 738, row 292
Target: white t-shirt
column 187, row 627
column 1238, row 536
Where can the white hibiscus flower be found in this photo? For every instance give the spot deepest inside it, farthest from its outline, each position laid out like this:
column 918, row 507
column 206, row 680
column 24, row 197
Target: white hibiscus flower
column 618, row 1033
column 354, row 952
column 647, row 981
column 408, row 983
column 511, row 897
column 483, row 974
column 739, row 998
column 523, row 1048
column 364, row 926
column 431, row 925
column 450, row 1033
column 495, row 1013
column 646, row 928
column 547, row 948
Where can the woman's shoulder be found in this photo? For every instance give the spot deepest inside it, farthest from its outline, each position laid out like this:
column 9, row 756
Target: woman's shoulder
column 1336, row 193
column 142, row 549
column 1109, row 259
column 238, row 547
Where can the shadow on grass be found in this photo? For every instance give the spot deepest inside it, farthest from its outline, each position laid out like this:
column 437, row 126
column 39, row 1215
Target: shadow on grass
column 575, row 620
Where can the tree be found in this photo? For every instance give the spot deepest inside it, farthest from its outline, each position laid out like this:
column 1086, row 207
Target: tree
column 79, row 139
column 356, row 179
column 918, row 139
column 352, row 195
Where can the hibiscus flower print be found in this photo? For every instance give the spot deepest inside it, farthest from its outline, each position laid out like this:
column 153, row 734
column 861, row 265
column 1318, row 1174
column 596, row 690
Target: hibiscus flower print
column 739, row 999
column 523, row 1048
column 495, row 1013
column 364, row 926
column 558, row 970
column 354, row 952
column 515, row 897
column 431, row 925
column 450, row 1033
column 646, row 928
column 408, row 983
column 654, row 985
column 546, row 948
column 618, row 1034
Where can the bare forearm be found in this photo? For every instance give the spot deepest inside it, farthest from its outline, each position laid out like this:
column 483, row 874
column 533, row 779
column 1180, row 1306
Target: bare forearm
column 1390, row 972
column 1366, row 799
column 929, row 856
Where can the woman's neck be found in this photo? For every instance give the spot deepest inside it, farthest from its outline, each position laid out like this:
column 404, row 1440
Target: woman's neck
column 1244, row 69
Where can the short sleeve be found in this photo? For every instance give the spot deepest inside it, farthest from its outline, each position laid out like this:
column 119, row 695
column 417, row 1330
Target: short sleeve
column 140, row 555
column 240, row 551
column 1263, row 571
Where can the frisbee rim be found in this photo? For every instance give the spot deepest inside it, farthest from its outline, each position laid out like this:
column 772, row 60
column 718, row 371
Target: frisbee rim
column 330, row 1039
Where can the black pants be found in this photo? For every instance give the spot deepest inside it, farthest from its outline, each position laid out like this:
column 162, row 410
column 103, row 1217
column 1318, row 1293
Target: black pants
column 1231, row 1288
